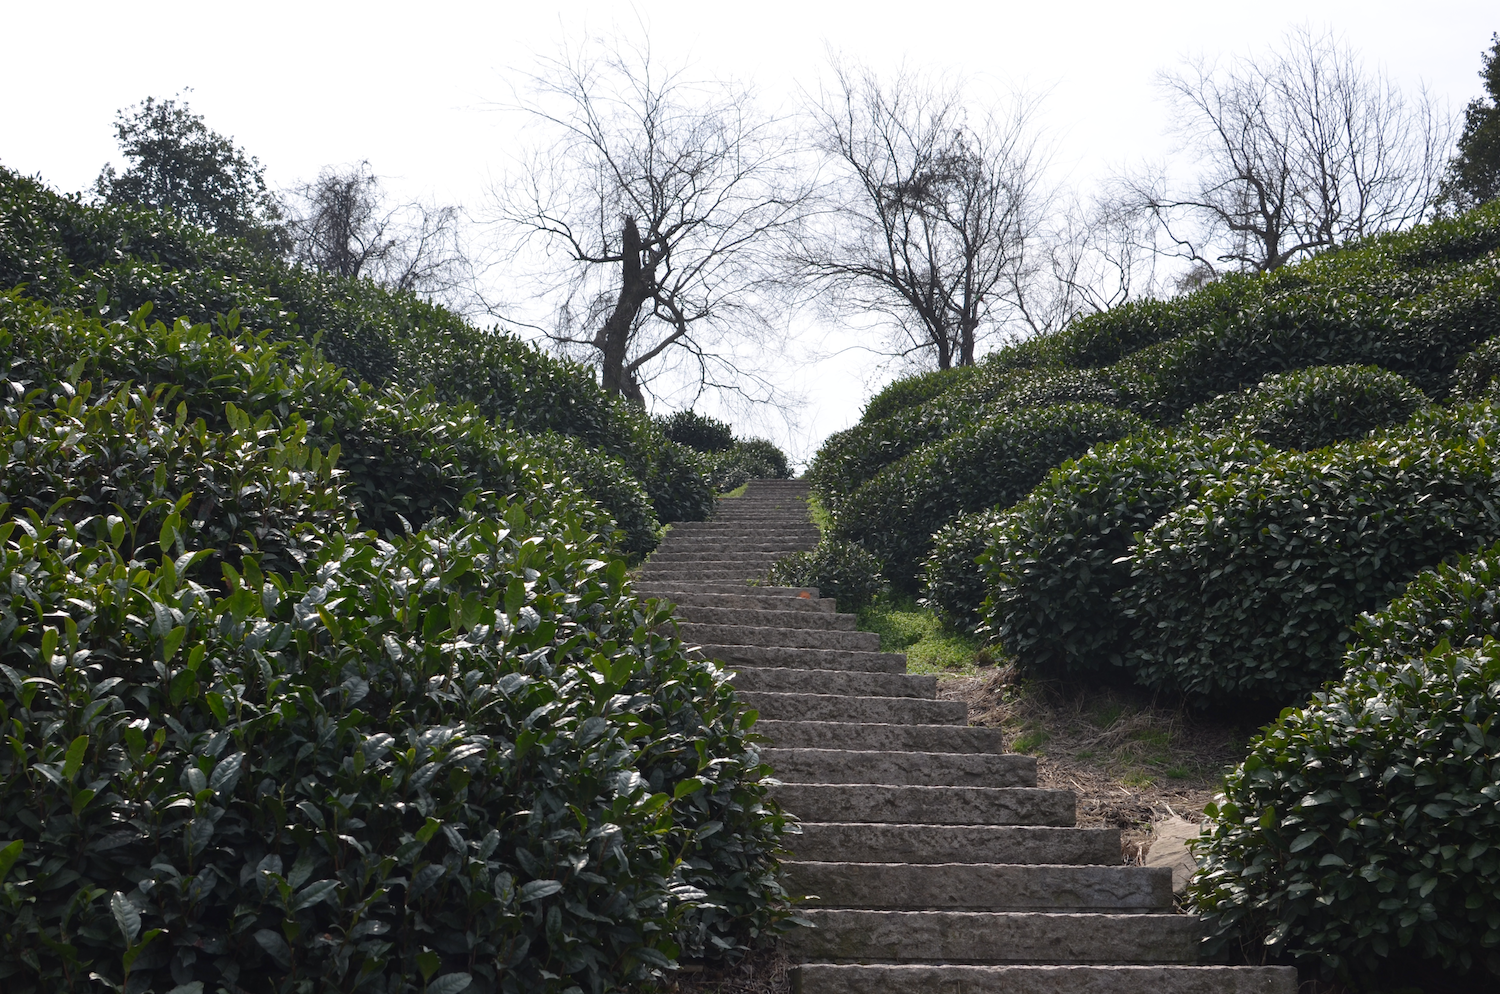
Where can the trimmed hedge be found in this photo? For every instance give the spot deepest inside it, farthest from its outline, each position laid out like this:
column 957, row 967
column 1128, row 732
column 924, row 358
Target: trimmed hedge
column 992, row 464
column 952, row 577
column 460, row 754
column 1360, row 837
column 1057, row 563
column 1314, row 407
column 912, row 391
column 841, row 570
column 753, row 459
column 697, row 431
column 1250, row 593
column 1457, row 603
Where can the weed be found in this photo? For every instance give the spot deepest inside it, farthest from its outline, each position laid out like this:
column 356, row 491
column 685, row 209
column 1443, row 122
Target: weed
column 905, row 627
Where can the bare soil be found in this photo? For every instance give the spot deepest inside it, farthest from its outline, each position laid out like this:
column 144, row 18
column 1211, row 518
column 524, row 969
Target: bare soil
column 1129, row 758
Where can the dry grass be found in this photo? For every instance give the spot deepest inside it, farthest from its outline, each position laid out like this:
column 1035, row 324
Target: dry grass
column 766, row 971
column 1129, row 759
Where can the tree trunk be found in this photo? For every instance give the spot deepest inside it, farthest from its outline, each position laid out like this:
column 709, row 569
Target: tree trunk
column 613, row 339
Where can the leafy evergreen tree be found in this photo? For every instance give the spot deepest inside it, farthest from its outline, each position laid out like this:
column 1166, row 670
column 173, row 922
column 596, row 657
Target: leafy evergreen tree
column 181, row 166
column 1474, row 173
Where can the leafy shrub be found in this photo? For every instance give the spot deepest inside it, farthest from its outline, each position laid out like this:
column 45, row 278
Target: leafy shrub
column 849, row 459
column 1314, row 407
column 1057, row 559
column 1457, row 603
column 952, row 578
column 1475, row 377
column 910, row 391
column 1361, row 834
column 994, row 463
column 381, row 768
column 755, row 459
column 698, row 431
column 838, row 569
column 679, row 485
column 1250, row 593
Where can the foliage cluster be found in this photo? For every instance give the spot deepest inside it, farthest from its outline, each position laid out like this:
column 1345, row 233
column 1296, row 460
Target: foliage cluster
column 993, row 463
column 728, row 462
column 1313, row 407
column 841, row 570
column 251, row 745
column 1361, row 833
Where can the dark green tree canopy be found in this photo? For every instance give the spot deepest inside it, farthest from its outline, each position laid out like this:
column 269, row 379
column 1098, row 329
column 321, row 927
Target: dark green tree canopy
column 1474, row 173
column 180, row 165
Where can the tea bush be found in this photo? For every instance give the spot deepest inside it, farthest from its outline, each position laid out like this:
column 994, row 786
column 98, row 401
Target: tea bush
column 1457, row 603
column 841, row 570
column 698, row 431
column 911, row 391
column 1361, row 837
column 994, row 463
column 1057, row 561
column 952, row 578
column 753, row 459
column 1250, row 593
column 1475, row 377
column 1313, row 407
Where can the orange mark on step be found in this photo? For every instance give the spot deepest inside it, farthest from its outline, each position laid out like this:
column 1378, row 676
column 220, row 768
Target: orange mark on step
column 805, row 595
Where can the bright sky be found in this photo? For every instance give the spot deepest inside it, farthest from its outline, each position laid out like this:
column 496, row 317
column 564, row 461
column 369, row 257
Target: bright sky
column 413, row 88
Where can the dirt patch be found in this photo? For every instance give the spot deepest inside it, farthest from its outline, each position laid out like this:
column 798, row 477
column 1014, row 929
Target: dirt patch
column 1129, row 758
column 765, row 971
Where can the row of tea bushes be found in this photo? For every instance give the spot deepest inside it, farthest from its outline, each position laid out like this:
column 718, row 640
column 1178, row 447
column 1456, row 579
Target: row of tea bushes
column 253, row 745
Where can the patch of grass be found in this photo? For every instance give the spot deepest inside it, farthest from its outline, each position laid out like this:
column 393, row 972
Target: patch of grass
column 819, row 513
column 738, row 491
column 905, row 627
column 1028, row 741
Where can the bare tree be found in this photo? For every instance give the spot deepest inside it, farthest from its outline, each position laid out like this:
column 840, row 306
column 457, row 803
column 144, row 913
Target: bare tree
column 934, row 210
column 1297, row 150
column 661, row 195
column 341, row 223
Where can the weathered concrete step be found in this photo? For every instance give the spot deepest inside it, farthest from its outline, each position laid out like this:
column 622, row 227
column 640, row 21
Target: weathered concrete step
column 837, row 707
column 667, row 588
column 924, row 769
column 687, row 573
column 750, row 600
column 812, row 659
column 874, row 735
column 711, row 556
column 798, row 638
column 868, row 843
column 689, row 543
column 831, row 978
column 827, row 802
column 995, row 937
column 789, row 680
column 982, row 886
column 763, row 618
column 780, row 530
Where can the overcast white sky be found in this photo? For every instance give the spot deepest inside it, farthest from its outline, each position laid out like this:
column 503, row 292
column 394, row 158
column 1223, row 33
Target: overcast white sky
column 412, row 88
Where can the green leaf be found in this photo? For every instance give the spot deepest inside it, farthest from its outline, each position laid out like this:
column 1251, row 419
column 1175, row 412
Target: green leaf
column 428, row 962
column 8, row 857
column 313, row 893
column 73, row 762
column 126, row 917
column 538, row 889
column 450, row 983
column 686, row 787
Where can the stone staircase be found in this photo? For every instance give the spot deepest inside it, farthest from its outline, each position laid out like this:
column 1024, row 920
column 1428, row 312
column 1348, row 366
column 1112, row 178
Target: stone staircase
column 937, row 863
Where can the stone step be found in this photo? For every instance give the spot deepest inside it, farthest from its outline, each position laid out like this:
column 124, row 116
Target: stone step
column 690, row 574
column 828, row 802
column 877, row 736
column 833, row 978
column 794, row 638
column 869, row 843
column 667, row 588
column 925, row 769
column 745, row 601
column 837, row 707
column 995, row 937
column 705, row 543
column 664, row 556
column 982, row 886
column 762, row 618
column 787, row 680
column 747, row 656
column 781, row 531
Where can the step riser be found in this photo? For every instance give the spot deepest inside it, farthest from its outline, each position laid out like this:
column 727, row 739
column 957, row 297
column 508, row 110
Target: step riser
column 878, row 804
column 786, row 637
column 819, row 978
column 806, row 659
column 766, row 619
column 979, row 937
column 831, row 707
column 785, row 680
column 873, row 735
column 927, row 769
column 982, row 887
column 739, row 601
column 669, row 589
column 691, row 575
column 854, row 843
